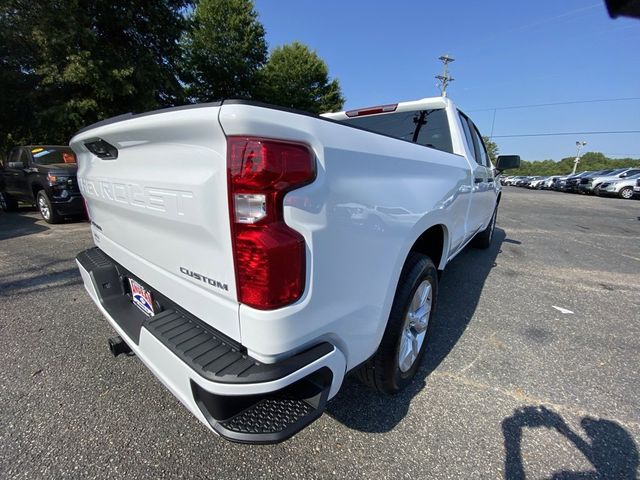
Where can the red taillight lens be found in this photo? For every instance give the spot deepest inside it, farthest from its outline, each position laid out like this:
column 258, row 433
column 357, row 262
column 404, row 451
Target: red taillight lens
column 269, row 256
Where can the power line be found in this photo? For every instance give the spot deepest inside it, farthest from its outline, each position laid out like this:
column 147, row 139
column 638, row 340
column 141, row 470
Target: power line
column 565, row 133
column 533, row 105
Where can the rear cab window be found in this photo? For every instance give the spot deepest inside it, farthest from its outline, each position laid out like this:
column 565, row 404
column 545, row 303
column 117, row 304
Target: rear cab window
column 428, row 127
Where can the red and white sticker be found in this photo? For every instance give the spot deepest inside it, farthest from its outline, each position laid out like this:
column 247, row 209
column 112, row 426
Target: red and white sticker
column 141, row 298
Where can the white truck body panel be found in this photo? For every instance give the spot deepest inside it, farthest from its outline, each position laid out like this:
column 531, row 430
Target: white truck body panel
column 162, row 205
column 368, row 170
column 161, row 211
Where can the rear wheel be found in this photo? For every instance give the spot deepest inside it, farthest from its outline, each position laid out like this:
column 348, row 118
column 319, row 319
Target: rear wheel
column 405, row 339
column 626, row 193
column 46, row 210
column 483, row 238
column 7, row 203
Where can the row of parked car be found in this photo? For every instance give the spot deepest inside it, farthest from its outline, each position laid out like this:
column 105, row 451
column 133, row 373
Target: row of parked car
column 620, row 182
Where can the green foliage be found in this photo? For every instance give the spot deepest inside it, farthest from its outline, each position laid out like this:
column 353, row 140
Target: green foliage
column 67, row 63
column 492, row 149
column 296, row 77
column 588, row 161
column 223, row 50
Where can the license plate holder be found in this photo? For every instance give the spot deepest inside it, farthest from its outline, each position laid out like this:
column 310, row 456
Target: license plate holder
column 141, row 298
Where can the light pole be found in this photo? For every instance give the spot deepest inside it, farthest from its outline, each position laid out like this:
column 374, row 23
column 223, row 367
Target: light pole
column 445, row 79
column 579, row 146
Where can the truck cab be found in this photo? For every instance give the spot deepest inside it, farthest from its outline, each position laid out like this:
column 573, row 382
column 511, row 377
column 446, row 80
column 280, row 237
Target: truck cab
column 44, row 176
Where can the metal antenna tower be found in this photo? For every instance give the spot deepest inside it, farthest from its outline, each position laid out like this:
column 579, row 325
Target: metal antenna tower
column 445, row 79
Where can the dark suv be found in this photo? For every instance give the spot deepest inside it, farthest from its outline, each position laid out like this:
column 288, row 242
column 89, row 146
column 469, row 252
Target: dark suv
column 43, row 175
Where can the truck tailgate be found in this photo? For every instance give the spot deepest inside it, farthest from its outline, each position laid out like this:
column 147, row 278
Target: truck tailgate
column 160, row 208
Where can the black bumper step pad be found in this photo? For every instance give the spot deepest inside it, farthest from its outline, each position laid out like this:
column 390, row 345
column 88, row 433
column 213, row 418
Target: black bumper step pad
column 269, row 418
column 270, row 415
column 217, row 359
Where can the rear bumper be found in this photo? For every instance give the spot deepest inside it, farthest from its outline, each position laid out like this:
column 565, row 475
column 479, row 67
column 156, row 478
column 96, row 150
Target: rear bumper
column 235, row 395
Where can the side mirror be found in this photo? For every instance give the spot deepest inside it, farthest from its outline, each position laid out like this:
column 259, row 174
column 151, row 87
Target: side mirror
column 15, row 165
column 507, row 162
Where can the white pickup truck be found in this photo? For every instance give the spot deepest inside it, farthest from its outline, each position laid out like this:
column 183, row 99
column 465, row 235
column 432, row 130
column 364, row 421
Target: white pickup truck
column 251, row 255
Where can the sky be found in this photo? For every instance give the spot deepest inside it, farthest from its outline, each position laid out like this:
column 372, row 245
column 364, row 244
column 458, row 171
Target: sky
column 507, row 54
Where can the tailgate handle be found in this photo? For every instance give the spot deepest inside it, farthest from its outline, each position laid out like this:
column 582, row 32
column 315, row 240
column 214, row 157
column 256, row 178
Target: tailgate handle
column 102, row 149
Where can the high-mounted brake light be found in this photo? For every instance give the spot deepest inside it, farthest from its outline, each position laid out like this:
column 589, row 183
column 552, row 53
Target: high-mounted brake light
column 269, row 256
column 372, row 110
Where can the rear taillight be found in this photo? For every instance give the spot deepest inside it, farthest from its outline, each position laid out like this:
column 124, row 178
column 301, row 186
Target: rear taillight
column 269, row 256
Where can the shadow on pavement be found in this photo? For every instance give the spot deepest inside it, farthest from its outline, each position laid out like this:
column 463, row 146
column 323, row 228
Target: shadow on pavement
column 360, row 408
column 14, row 225
column 609, row 447
column 43, row 281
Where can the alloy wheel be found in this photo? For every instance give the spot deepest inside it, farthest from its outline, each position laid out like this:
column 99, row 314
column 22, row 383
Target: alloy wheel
column 415, row 326
column 44, row 208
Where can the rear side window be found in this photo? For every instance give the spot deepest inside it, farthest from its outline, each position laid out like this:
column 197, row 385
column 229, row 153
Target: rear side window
column 468, row 137
column 474, row 141
column 426, row 127
column 24, row 157
column 14, row 155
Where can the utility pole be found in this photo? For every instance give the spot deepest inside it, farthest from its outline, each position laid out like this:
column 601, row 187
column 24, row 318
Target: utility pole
column 445, row 79
column 579, row 146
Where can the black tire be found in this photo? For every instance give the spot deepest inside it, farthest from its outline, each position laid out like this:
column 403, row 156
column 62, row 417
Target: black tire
column 8, row 203
column 626, row 193
column 46, row 209
column 483, row 238
column 382, row 371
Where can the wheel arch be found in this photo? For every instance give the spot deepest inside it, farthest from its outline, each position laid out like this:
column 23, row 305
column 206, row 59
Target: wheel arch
column 35, row 188
column 433, row 242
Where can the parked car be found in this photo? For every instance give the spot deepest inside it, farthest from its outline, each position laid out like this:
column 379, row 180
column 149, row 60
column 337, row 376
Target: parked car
column 593, row 183
column 505, row 180
column 511, row 180
column 237, row 275
column 522, row 181
column 572, row 182
column 548, row 183
column 44, row 176
column 622, row 188
column 560, row 182
column 583, row 185
column 536, row 183
column 636, row 189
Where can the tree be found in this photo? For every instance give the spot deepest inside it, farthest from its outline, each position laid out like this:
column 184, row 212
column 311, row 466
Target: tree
column 223, row 50
column 67, row 63
column 297, row 77
column 492, row 149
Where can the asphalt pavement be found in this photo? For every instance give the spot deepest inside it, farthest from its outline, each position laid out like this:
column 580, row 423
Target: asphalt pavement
column 532, row 371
